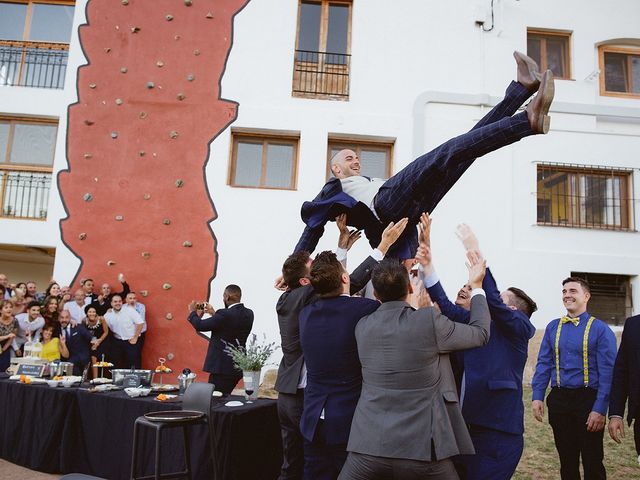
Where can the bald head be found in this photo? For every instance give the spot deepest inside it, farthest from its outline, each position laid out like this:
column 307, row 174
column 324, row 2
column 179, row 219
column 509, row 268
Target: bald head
column 345, row 164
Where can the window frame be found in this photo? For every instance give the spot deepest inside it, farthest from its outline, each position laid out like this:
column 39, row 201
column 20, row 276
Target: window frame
column 354, row 143
column 29, row 15
column 278, row 138
column 573, row 203
column 612, row 48
column 321, row 65
column 543, row 35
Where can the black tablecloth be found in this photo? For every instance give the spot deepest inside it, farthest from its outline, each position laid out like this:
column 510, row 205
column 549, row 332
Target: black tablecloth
column 63, row 430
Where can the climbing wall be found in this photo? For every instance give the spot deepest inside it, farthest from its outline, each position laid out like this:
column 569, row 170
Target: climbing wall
column 137, row 144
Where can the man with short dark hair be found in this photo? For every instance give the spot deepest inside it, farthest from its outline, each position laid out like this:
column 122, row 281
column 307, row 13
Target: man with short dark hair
column 419, row 187
column 103, row 301
column 577, row 355
column 408, row 424
column 334, row 378
column 125, row 325
column 29, row 325
column 492, row 380
column 229, row 325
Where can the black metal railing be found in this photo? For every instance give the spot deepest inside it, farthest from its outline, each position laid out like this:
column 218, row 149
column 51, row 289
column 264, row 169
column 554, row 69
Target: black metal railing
column 24, row 194
column 321, row 73
column 593, row 197
column 33, row 64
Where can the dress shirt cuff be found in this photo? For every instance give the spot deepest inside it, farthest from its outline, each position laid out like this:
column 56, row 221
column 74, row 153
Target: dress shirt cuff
column 341, row 254
column 600, row 406
column 615, row 416
column 478, row 291
column 377, row 255
column 538, row 395
column 431, row 279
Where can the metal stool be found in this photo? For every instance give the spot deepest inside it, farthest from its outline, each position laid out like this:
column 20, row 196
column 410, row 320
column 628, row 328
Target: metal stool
column 197, row 398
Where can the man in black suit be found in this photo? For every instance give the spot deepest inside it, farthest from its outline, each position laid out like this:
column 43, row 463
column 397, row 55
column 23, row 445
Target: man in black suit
column 626, row 384
column 230, row 325
column 292, row 372
column 78, row 341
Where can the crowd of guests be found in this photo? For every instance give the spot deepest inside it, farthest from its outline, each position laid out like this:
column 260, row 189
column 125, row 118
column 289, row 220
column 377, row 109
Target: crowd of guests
column 82, row 327
column 383, row 376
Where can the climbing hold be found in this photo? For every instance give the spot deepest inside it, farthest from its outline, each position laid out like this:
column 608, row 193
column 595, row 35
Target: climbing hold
column 209, row 15
column 180, row 96
column 141, row 153
column 188, row 3
column 144, row 293
column 87, row 197
column 89, row 122
column 173, row 134
column 166, row 221
column 87, row 156
column 196, row 52
column 119, row 218
column 150, row 85
column 142, row 115
column 92, row 85
column 118, row 101
column 146, row 255
column 160, row 64
column 146, row 196
column 135, row 29
column 114, row 134
column 166, row 286
column 124, row 70
column 191, row 77
column 169, row 18
column 82, row 236
column 169, row 316
column 110, row 263
column 179, row 183
column 125, row 2
column 187, row 243
column 107, row 50
column 176, row 37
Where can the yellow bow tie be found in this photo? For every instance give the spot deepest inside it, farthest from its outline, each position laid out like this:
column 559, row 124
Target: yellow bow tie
column 575, row 321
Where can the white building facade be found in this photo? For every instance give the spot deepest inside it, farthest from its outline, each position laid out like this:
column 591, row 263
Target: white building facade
column 394, row 80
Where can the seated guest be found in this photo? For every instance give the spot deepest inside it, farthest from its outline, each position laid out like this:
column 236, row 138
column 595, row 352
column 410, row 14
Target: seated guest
column 99, row 331
column 77, row 341
column 408, row 422
column 77, row 306
column 8, row 329
column 229, row 325
column 103, row 302
column 334, row 378
column 29, row 325
column 126, row 325
column 52, row 347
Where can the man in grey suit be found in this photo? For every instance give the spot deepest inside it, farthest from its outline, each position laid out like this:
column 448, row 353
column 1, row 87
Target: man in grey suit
column 291, row 379
column 408, row 422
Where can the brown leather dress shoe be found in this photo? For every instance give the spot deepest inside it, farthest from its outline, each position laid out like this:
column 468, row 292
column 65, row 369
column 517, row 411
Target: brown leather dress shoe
column 538, row 108
column 528, row 72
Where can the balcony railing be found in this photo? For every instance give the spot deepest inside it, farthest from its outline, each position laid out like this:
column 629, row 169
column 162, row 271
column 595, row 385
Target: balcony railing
column 24, row 193
column 33, row 64
column 321, row 74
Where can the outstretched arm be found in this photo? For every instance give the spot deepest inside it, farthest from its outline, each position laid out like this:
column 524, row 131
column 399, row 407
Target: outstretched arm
column 309, row 239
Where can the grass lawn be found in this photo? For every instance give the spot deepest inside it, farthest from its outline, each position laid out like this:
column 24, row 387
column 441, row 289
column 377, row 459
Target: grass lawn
column 540, row 459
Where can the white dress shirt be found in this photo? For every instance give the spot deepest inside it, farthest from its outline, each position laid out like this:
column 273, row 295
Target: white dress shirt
column 123, row 323
column 76, row 311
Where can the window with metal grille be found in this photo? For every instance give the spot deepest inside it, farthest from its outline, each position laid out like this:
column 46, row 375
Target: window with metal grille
column 322, row 58
column 260, row 160
column 585, row 196
column 34, row 42
column 27, row 148
column 620, row 71
column 376, row 157
column 550, row 49
column 610, row 296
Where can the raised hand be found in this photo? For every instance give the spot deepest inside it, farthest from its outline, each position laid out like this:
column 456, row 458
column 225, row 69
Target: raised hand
column 425, row 229
column 477, row 267
column 279, row 284
column 391, row 234
column 347, row 237
column 467, row 237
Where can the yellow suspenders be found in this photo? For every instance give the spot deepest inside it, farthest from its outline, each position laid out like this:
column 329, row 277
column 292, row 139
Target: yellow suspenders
column 585, row 352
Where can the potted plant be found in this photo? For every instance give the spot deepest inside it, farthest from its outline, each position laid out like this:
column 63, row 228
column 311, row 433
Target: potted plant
column 250, row 360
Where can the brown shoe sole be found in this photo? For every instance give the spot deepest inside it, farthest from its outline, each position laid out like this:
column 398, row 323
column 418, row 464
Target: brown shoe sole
column 544, row 120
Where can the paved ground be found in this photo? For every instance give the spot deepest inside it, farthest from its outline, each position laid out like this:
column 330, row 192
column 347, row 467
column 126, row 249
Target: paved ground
column 9, row 471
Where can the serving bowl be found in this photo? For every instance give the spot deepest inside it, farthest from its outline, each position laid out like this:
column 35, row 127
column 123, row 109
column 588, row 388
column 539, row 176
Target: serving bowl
column 53, row 383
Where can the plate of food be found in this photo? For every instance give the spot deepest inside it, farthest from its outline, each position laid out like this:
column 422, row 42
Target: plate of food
column 105, row 387
column 156, row 387
column 101, row 381
column 165, row 397
column 103, row 364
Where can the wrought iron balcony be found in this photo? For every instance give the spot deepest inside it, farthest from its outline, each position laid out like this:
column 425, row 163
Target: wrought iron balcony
column 24, row 193
column 33, row 64
column 321, row 74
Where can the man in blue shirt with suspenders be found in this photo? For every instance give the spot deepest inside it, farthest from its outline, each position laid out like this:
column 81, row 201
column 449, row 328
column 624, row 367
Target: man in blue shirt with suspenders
column 577, row 356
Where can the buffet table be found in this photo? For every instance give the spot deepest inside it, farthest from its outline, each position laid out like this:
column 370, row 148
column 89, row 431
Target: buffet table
column 64, row 430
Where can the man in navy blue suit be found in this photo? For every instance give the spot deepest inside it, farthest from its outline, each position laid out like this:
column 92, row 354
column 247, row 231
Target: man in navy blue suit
column 373, row 203
column 78, row 341
column 334, row 377
column 626, row 384
column 492, row 382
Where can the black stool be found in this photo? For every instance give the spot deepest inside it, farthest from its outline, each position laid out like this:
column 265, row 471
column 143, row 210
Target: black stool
column 197, row 398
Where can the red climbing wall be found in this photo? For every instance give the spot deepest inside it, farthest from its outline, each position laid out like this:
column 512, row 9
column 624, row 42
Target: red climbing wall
column 137, row 145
